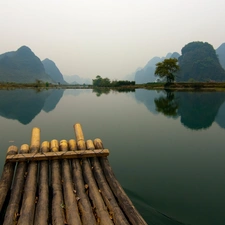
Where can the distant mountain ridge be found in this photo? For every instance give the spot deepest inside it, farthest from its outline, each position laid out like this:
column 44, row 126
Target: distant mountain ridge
column 203, row 63
column 147, row 74
column 75, row 79
column 131, row 76
column 52, row 70
column 22, row 66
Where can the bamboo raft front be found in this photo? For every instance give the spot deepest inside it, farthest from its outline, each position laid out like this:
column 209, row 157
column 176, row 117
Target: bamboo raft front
column 63, row 182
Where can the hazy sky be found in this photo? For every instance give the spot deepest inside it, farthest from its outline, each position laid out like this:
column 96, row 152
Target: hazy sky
column 110, row 38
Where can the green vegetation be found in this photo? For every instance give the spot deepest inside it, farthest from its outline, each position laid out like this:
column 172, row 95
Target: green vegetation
column 105, row 82
column 166, row 69
column 200, row 63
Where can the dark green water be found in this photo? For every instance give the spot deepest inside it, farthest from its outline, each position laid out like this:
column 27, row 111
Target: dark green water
column 166, row 149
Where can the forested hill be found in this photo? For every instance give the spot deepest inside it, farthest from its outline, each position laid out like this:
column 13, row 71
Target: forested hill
column 52, row 70
column 199, row 62
column 22, row 66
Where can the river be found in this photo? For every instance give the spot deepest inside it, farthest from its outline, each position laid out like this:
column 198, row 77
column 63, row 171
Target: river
column 167, row 149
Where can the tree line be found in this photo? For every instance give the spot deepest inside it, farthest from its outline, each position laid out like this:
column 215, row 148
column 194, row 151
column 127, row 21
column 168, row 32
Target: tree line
column 105, row 82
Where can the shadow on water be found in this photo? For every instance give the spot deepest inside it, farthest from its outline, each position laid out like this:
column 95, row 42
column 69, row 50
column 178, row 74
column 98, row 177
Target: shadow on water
column 152, row 216
column 25, row 104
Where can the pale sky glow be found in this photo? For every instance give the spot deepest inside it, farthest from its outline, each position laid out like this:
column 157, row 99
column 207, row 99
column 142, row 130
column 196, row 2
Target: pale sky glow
column 108, row 38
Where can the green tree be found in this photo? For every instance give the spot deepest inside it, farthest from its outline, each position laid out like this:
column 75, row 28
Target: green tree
column 101, row 82
column 167, row 69
column 97, row 81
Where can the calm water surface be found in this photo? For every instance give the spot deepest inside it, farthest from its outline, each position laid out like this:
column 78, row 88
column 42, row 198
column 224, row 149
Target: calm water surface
column 166, row 149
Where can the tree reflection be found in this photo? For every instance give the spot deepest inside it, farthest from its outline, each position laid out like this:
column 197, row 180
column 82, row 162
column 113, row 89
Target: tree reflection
column 167, row 105
column 100, row 91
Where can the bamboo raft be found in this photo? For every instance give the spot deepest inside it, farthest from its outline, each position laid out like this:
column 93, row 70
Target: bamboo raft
column 63, row 182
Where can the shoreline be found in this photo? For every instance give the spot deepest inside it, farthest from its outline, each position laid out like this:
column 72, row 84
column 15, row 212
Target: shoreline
column 200, row 86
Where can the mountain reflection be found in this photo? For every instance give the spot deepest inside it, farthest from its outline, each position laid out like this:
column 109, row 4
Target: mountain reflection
column 24, row 104
column 197, row 110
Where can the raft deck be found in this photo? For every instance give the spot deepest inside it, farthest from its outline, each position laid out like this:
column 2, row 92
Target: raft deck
column 63, row 182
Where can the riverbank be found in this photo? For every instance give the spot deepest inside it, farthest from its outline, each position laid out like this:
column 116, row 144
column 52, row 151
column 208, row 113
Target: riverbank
column 200, row 86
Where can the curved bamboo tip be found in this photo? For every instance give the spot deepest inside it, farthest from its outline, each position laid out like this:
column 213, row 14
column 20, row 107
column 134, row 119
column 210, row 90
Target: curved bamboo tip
column 78, row 132
column 54, row 145
column 79, row 136
column 24, row 148
column 45, row 146
column 72, row 145
column 12, row 150
column 98, row 143
column 63, row 145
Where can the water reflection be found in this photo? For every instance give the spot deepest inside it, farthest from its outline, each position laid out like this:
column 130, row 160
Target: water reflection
column 24, row 104
column 100, row 91
column 220, row 118
column 164, row 168
column 197, row 110
column 167, row 105
column 52, row 100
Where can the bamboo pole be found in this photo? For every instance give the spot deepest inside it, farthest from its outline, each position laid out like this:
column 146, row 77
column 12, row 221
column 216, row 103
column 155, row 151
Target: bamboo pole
column 42, row 208
column 103, row 217
column 58, row 216
column 29, row 197
column 58, row 155
column 12, row 211
column 109, row 199
column 72, row 145
column 7, row 176
column 35, row 140
column 84, row 205
column 71, row 208
column 128, row 208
